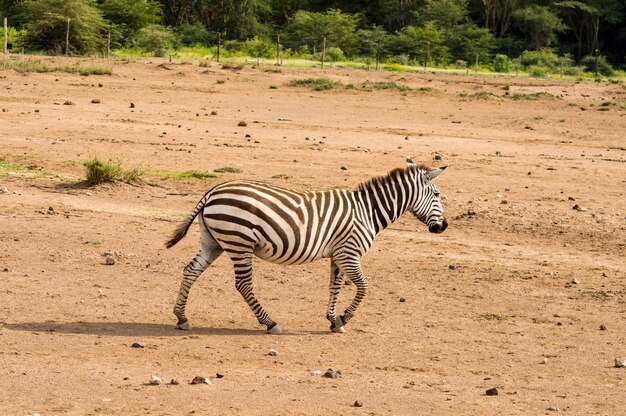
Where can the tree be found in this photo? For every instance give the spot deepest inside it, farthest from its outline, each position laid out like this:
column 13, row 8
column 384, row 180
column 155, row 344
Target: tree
column 539, row 24
column 467, row 41
column 156, row 39
column 47, row 21
column 424, row 43
column 583, row 21
column 129, row 16
column 445, row 13
column 498, row 15
column 309, row 28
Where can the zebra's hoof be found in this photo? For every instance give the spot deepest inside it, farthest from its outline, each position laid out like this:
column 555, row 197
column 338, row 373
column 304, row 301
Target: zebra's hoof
column 275, row 330
column 185, row 326
column 337, row 326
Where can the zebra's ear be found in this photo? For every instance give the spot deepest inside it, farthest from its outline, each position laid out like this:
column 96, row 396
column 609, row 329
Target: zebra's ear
column 409, row 162
column 436, row 172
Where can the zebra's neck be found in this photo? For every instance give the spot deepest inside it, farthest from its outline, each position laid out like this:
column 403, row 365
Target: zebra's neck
column 386, row 198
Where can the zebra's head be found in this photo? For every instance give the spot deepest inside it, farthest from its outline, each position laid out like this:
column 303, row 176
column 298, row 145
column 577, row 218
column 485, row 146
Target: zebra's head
column 427, row 207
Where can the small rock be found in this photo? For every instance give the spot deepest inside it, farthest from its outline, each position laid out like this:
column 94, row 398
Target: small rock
column 155, row 381
column 132, row 105
column 578, row 208
column 316, row 373
column 110, row 261
column 68, row 102
column 332, row 374
column 437, row 157
column 620, row 362
column 200, row 380
column 498, row 153
column 4, row 191
column 459, row 191
column 95, row 101
column 219, row 375
column 242, row 124
column 402, row 300
column 452, row 266
column 358, row 403
column 50, row 210
column 213, row 113
column 550, row 168
column 602, row 327
column 575, row 281
column 544, row 360
column 492, row 391
column 344, row 168
column 6, row 269
column 174, row 382
column 248, row 135
column 571, row 198
column 137, row 345
column 553, row 408
column 272, row 352
column 504, row 201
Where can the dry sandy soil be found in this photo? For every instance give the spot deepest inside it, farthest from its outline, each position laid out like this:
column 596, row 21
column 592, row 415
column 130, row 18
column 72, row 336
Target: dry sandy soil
column 509, row 315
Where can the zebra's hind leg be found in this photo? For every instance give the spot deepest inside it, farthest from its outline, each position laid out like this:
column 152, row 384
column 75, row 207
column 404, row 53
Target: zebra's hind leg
column 242, row 263
column 209, row 251
column 352, row 269
column 336, row 325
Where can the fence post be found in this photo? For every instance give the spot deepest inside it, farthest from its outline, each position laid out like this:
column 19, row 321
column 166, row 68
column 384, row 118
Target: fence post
column 476, row 73
column 378, row 55
column 597, row 56
column 67, row 37
column 277, row 50
column 108, row 44
column 219, row 43
column 6, row 37
column 324, row 52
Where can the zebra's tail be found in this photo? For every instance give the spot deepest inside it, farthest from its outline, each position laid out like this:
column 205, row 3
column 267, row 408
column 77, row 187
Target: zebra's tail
column 183, row 227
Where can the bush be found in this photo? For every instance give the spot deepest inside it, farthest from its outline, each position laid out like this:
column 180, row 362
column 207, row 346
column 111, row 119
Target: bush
column 156, row 39
column 194, row 34
column 501, row 63
column 538, row 71
column 546, row 58
column 98, row 172
column 335, row 54
column 604, row 68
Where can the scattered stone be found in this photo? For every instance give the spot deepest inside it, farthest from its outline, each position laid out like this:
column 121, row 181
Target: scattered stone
column 100, row 85
column 459, row 191
column 358, row 403
column 504, row 201
column 437, row 156
column 571, row 198
column 137, row 345
column 242, row 124
column 602, row 327
column 578, row 208
column 4, row 191
column 219, row 375
column 553, row 408
column 213, row 113
column 110, row 261
column 402, row 300
column 132, row 105
column 550, row 168
column 620, row 362
column 332, row 374
column 155, row 381
column 95, row 101
column 316, row 373
column 344, row 168
column 272, row 352
column 68, row 102
column 452, row 266
column 6, row 270
column 544, row 360
column 50, row 210
column 248, row 135
column 200, row 380
column 347, row 282
column 492, row 391
column 498, row 153
column 174, row 382
column 575, row 281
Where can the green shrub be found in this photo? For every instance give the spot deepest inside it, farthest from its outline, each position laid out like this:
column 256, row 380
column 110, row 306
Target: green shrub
column 538, row 71
column 501, row 63
column 227, row 169
column 98, row 172
column 604, row 67
column 156, row 39
column 546, row 58
column 335, row 54
column 319, row 84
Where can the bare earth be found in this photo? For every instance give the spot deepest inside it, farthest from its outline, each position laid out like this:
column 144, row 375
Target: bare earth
column 509, row 315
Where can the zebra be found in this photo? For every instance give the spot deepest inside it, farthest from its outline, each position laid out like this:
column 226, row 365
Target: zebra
column 249, row 218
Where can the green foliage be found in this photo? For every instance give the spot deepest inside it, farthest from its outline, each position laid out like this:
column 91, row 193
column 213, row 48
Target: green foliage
column 127, row 17
column 21, row 65
column 318, row 84
column 310, row 28
column 228, row 169
column 501, row 63
column 424, row 43
column 544, row 58
column 335, row 54
column 46, row 25
column 467, row 41
column 540, row 24
column 97, row 172
column 537, row 71
column 156, row 39
column 188, row 174
column 604, row 68
column 193, row 34
column 369, row 39
column 446, row 14
column 16, row 37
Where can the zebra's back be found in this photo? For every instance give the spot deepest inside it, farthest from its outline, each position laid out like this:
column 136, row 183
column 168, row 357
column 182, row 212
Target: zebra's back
column 278, row 224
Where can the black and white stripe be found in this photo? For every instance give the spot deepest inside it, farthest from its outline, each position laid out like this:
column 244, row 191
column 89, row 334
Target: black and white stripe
column 250, row 218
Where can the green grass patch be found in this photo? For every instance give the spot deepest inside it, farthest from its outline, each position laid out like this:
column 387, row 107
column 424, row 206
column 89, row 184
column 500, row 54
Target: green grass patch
column 533, row 96
column 318, row 84
column 98, row 171
column 483, row 95
column 227, row 169
column 188, row 174
column 281, row 176
column 37, row 65
column 390, row 86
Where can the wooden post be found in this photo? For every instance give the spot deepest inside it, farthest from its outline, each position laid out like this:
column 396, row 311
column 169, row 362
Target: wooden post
column 476, row 70
column 277, row 50
column 219, row 43
column 108, row 44
column 323, row 51
column 378, row 55
column 427, row 57
column 597, row 56
column 67, row 37
column 5, row 49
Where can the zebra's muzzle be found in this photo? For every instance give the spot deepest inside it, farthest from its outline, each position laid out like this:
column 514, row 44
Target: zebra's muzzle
column 438, row 227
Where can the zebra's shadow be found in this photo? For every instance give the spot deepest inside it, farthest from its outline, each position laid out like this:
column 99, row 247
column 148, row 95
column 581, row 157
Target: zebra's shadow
column 136, row 329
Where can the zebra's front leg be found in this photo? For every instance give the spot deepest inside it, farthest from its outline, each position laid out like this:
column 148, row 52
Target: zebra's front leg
column 352, row 269
column 336, row 325
column 243, row 283
column 208, row 253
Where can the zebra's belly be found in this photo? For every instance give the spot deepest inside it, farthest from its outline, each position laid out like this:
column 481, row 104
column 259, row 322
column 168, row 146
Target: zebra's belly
column 290, row 255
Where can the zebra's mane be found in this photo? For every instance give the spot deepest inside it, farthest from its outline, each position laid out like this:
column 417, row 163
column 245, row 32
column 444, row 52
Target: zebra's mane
column 377, row 180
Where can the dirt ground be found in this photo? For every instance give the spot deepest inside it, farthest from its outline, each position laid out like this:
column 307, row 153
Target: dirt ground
column 511, row 296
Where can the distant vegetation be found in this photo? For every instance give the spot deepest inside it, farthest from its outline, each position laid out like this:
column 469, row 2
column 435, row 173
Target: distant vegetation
column 98, row 171
column 538, row 37
column 38, row 65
